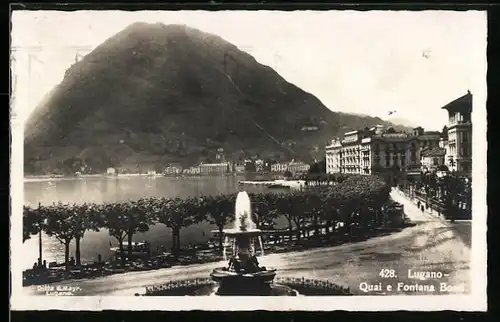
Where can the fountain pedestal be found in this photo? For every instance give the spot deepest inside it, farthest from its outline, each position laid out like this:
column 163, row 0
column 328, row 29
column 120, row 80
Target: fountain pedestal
column 243, row 275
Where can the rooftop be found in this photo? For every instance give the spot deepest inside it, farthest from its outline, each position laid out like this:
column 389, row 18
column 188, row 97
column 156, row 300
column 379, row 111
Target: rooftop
column 463, row 103
column 436, row 152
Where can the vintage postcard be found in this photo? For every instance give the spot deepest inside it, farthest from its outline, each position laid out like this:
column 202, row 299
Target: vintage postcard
column 248, row 160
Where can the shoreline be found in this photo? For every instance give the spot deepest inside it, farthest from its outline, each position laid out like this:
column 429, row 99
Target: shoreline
column 44, row 178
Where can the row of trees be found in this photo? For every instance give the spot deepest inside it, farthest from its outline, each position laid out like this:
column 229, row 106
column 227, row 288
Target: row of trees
column 354, row 200
column 451, row 190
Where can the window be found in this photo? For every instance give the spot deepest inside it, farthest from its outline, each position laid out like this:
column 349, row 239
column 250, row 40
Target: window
column 435, row 161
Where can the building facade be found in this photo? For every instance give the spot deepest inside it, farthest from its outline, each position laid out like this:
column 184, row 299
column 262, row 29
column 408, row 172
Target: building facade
column 293, row 166
column 172, row 170
column 377, row 151
column 195, row 170
column 432, row 159
column 459, row 144
column 215, row 168
column 333, row 156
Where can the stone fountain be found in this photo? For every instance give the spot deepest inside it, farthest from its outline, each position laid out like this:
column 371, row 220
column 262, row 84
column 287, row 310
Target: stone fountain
column 244, row 275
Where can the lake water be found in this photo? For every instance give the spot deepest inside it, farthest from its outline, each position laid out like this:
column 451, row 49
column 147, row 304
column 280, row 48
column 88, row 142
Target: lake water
column 102, row 189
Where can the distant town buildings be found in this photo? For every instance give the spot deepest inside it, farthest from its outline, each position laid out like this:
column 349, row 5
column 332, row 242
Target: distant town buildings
column 215, row 168
column 111, row 171
column 192, row 171
column 172, row 170
column 239, row 168
column 309, row 128
column 219, row 156
column 259, row 165
column 387, row 152
column 293, row 167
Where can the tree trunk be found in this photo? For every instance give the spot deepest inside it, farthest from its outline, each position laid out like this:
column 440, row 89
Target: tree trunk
column 174, row 242
column 178, row 236
column 77, row 250
column 290, row 227
column 130, row 234
column 316, row 226
column 122, row 257
column 66, row 254
column 299, row 230
column 220, row 237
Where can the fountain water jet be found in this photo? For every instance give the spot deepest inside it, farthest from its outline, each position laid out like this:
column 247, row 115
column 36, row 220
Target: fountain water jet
column 244, row 276
column 243, row 212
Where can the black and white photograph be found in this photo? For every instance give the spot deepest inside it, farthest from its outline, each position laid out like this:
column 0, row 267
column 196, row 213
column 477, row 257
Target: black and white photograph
column 248, row 160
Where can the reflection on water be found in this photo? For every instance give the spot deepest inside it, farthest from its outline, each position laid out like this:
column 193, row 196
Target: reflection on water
column 103, row 189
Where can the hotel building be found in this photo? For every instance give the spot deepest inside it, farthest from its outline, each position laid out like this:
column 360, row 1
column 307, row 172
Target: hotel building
column 386, row 152
column 379, row 151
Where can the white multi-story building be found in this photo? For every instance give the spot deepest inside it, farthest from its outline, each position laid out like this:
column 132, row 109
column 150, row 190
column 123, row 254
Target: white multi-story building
column 432, row 159
column 333, row 156
column 195, row 170
column 172, row 170
column 293, row 166
column 215, row 168
column 459, row 144
column 375, row 150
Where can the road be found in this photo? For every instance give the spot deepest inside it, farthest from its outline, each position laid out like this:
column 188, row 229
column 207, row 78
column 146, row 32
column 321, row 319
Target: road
column 431, row 245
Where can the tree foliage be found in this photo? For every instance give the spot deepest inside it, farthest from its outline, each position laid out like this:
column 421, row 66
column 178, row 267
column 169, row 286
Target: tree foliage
column 352, row 199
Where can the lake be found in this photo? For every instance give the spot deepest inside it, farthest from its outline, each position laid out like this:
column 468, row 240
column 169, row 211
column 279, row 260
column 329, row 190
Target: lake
column 103, row 189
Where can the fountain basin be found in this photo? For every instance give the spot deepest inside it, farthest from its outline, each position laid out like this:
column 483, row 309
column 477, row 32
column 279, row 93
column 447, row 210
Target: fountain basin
column 222, row 273
column 250, row 233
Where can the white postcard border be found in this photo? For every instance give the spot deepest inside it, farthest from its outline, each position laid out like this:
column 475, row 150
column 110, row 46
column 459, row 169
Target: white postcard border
column 476, row 301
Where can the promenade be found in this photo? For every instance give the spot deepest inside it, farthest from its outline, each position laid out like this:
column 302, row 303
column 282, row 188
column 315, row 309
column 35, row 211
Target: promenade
column 431, row 245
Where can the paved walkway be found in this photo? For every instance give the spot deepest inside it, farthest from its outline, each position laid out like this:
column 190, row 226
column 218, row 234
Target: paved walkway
column 411, row 209
column 462, row 228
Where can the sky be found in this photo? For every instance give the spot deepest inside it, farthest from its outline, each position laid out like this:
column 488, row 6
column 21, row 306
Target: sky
column 369, row 62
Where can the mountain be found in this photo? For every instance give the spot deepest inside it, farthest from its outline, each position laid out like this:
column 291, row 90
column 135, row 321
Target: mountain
column 155, row 94
column 401, row 121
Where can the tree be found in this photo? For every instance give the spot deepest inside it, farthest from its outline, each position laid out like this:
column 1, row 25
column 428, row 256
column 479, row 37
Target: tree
column 298, row 206
column 313, row 211
column 284, row 208
column 318, row 167
column 220, row 211
column 444, row 132
column 264, row 210
column 138, row 217
column 33, row 220
column 115, row 222
column 60, row 225
column 288, row 174
column 84, row 219
column 250, row 167
column 176, row 213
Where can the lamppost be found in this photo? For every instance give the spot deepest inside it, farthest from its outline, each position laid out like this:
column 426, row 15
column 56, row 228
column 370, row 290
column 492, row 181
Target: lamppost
column 40, row 229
